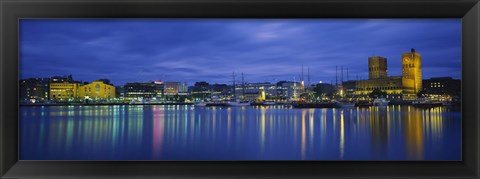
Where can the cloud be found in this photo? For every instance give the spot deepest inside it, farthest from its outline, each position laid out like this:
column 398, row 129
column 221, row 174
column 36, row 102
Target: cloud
column 211, row 49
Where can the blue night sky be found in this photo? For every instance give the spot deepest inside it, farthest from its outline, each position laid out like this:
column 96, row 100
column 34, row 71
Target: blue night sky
column 265, row 50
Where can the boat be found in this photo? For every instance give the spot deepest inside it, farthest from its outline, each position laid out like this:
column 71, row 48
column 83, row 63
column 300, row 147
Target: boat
column 447, row 103
column 380, row 102
column 200, row 104
column 263, row 103
column 268, row 102
column 346, row 105
column 363, row 104
column 284, row 103
column 238, row 103
column 316, row 105
column 425, row 103
column 218, row 103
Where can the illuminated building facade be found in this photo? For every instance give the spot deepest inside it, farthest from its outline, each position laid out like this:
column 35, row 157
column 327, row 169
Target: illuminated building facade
column 34, row 89
column 392, row 85
column 249, row 90
column 251, row 96
column 182, row 88
column 411, row 74
column 397, row 87
column 64, row 91
column 62, row 79
column 220, row 91
column 140, row 91
column 159, row 89
column 325, row 89
column 443, row 88
column 176, row 92
column 289, row 90
column 171, row 88
column 200, row 91
column 349, row 88
column 176, row 88
column 377, row 67
column 97, row 90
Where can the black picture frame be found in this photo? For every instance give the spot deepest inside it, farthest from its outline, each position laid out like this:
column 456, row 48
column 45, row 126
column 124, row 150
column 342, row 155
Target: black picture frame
column 12, row 10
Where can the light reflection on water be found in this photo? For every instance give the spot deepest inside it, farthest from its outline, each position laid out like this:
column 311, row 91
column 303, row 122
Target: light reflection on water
column 180, row 132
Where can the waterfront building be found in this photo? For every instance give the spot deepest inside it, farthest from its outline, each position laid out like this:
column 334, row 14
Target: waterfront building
column 171, row 88
column 64, row 91
column 159, row 88
column 97, row 90
column 34, row 89
column 256, row 91
column 349, row 87
column 289, row 90
column 120, row 92
column 182, row 88
column 140, row 91
column 105, row 81
column 324, row 90
column 175, row 88
column 220, row 91
column 442, row 88
column 200, row 91
column 62, row 79
column 397, row 87
column 411, row 74
column 377, row 67
column 392, row 85
column 64, row 88
column 253, row 96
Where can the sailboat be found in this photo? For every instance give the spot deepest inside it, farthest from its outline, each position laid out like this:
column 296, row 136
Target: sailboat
column 237, row 101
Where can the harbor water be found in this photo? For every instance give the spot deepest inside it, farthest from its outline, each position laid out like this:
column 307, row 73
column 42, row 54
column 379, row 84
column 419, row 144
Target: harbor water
column 187, row 132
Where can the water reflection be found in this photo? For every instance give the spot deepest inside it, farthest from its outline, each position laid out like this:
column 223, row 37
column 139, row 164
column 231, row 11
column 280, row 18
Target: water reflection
column 180, row 132
column 414, row 135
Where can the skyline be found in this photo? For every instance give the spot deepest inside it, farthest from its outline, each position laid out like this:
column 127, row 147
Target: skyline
column 210, row 50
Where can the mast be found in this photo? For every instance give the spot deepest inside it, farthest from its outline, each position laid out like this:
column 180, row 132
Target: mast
column 294, row 87
column 308, row 82
column 234, row 88
column 336, row 75
column 347, row 74
column 341, row 78
column 243, row 88
column 302, row 73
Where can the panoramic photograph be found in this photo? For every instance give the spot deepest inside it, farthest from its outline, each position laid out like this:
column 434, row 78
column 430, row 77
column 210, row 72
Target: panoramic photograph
column 240, row 89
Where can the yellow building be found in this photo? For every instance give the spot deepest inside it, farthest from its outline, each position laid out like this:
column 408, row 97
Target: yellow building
column 377, row 67
column 411, row 74
column 97, row 90
column 64, row 91
column 392, row 85
column 405, row 87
